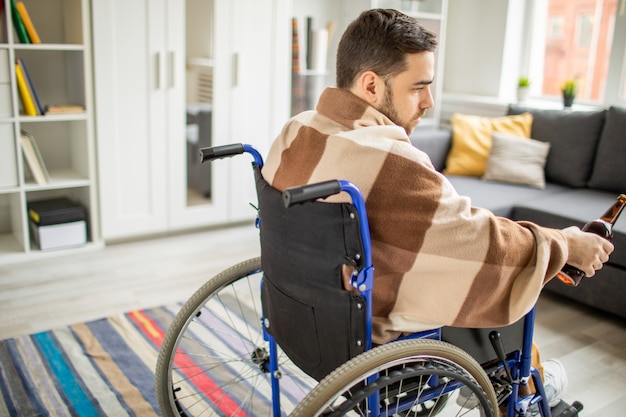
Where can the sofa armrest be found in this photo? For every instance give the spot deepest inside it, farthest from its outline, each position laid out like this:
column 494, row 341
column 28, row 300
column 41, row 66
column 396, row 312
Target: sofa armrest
column 435, row 143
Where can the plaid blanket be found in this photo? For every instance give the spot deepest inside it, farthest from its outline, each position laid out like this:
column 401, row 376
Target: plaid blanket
column 439, row 260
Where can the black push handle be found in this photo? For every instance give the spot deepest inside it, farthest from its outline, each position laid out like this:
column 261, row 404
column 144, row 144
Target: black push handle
column 310, row 192
column 219, row 152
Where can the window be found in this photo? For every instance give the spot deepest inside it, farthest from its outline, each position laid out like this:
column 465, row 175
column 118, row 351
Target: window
column 556, row 27
column 617, row 70
column 584, row 31
column 583, row 39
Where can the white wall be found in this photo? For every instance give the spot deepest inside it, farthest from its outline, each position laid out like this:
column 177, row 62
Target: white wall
column 483, row 54
column 474, row 45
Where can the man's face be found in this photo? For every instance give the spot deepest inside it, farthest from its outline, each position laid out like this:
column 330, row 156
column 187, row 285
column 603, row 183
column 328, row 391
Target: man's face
column 407, row 95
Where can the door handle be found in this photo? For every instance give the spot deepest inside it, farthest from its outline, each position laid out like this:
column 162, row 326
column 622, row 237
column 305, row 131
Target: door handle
column 172, row 69
column 235, row 69
column 157, row 70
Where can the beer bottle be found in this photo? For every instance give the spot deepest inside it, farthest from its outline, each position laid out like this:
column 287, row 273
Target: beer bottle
column 603, row 227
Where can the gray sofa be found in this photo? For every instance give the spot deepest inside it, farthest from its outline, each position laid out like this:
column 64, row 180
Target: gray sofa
column 585, row 171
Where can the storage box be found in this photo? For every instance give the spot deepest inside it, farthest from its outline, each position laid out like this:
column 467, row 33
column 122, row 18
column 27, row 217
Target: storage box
column 57, row 223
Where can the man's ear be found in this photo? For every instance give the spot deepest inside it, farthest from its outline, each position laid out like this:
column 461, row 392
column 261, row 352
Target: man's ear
column 371, row 88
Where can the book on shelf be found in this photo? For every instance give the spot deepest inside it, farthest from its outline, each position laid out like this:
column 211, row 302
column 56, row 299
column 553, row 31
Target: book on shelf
column 309, row 41
column 28, row 101
column 28, row 23
column 319, row 50
column 3, row 34
column 310, row 48
column 31, row 87
column 63, row 108
column 33, row 158
column 295, row 47
column 20, row 29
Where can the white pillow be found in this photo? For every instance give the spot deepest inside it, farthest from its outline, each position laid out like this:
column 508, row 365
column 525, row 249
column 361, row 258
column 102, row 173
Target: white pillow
column 517, row 160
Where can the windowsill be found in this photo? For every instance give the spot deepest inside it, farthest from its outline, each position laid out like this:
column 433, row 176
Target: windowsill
column 496, row 103
column 495, row 107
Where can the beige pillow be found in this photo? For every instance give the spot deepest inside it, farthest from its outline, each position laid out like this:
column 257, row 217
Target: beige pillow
column 471, row 140
column 517, row 160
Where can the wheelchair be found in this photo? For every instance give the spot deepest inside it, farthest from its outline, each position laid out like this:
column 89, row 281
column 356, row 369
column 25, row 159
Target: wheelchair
column 281, row 335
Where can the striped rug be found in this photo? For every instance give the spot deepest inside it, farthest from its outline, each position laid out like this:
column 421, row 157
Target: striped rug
column 100, row 368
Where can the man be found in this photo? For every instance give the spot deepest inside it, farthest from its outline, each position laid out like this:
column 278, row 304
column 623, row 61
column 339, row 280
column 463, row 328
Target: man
column 439, row 261
column 428, row 241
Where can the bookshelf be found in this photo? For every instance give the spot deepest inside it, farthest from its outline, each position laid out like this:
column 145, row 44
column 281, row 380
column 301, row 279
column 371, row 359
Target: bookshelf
column 59, row 69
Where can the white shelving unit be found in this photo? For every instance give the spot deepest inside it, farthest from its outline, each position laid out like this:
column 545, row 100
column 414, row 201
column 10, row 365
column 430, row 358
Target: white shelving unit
column 60, row 70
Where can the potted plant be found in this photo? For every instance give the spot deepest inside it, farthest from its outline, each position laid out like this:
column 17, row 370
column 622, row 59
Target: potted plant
column 523, row 88
column 569, row 89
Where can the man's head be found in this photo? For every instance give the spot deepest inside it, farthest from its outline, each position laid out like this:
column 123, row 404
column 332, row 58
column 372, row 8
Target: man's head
column 387, row 59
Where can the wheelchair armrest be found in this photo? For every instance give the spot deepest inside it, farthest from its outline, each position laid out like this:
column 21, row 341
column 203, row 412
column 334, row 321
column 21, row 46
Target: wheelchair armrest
column 311, row 192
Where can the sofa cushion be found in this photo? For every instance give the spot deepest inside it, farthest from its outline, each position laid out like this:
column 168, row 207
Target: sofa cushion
column 500, row 198
column 575, row 208
column 435, row 142
column 471, row 140
column 605, row 290
column 609, row 169
column 517, row 160
column 573, row 136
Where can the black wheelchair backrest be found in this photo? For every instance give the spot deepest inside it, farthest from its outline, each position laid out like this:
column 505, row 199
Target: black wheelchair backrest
column 305, row 251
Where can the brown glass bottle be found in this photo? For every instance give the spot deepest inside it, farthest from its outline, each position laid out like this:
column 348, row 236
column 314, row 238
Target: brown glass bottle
column 602, row 227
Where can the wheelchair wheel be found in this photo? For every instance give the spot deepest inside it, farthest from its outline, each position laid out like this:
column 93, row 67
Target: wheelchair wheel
column 214, row 360
column 415, row 378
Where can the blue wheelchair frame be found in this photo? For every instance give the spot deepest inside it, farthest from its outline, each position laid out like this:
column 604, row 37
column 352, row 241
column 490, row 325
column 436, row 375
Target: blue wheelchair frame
column 518, row 366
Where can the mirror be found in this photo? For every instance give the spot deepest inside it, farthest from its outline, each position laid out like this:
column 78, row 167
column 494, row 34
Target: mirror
column 199, row 97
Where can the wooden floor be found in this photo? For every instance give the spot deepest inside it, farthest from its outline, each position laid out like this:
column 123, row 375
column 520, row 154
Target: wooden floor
column 122, row 277
column 126, row 276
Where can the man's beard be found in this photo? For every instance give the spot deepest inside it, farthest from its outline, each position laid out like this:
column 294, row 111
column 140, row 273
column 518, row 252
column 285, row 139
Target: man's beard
column 389, row 110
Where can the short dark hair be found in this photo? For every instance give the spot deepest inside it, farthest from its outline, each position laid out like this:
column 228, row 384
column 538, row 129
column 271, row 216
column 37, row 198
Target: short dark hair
column 378, row 40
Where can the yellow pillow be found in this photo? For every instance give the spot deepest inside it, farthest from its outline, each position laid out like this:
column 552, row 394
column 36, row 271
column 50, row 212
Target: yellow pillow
column 471, row 140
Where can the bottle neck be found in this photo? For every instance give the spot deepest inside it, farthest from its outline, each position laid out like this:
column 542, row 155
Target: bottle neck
column 614, row 212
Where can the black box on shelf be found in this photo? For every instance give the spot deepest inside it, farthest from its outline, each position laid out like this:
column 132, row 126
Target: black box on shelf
column 57, row 223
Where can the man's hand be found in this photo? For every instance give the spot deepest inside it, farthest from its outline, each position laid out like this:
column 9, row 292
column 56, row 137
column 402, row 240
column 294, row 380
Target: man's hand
column 587, row 251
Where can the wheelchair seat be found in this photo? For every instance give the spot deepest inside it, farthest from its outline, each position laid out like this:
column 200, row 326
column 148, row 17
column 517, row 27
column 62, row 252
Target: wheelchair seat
column 305, row 250
column 476, row 341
